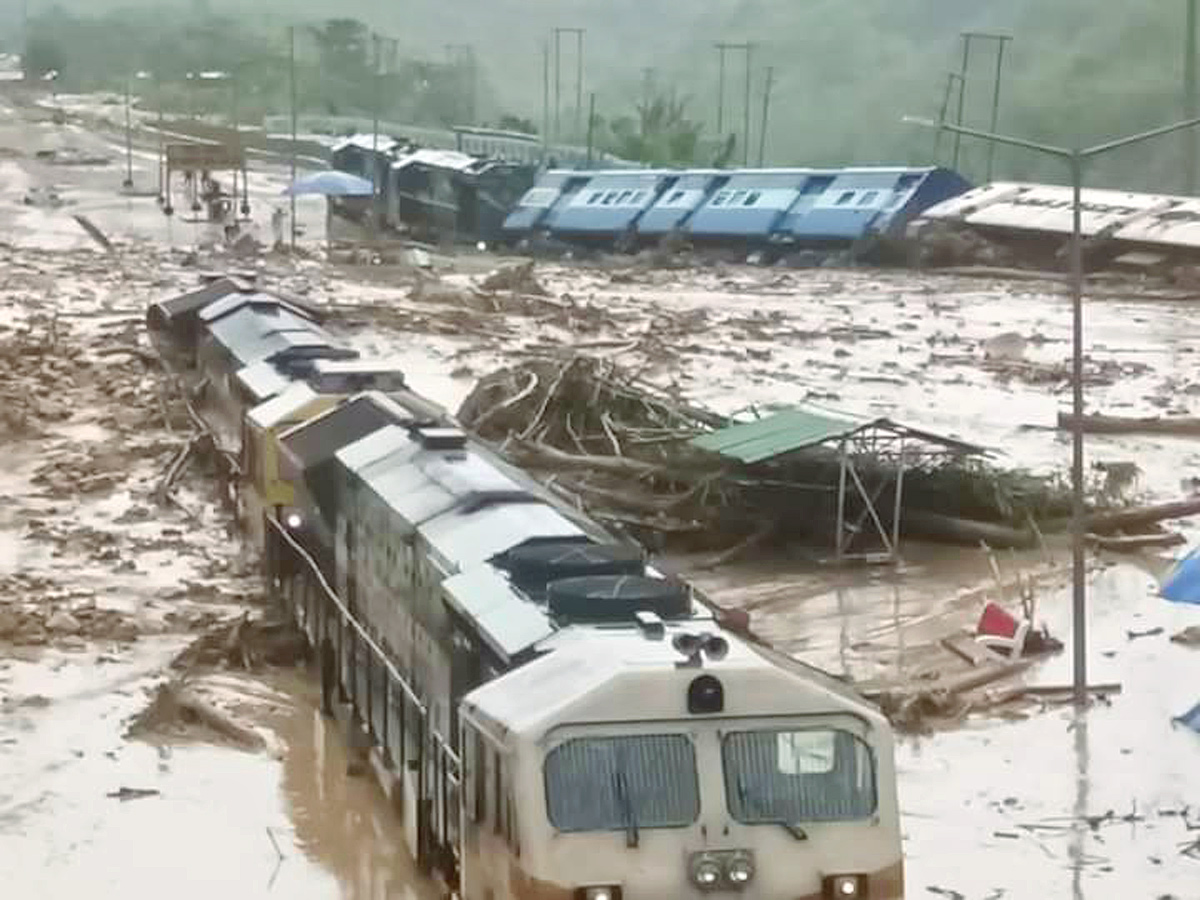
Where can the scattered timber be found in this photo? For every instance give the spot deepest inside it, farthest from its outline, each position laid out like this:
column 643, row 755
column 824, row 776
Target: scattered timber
column 1099, row 424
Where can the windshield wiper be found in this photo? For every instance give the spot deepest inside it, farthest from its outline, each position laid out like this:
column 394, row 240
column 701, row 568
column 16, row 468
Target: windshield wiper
column 622, row 790
column 759, row 810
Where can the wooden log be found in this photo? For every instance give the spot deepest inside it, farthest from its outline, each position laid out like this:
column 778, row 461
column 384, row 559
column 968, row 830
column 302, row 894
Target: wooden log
column 976, row 678
column 1139, row 517
column 1055, row 690
column 934, row 526
column 1131, row 542
column 549, row 457
column 1101, row 424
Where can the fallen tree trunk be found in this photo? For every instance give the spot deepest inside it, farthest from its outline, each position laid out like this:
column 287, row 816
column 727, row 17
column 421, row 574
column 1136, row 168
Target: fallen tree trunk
column 1128, row 543
column 1139, row 517
column 1100, row 424
column 934, row 526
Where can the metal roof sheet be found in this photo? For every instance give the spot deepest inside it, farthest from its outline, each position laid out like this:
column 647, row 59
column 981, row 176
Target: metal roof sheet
column 383, row 142
column 278, row 409
column 507, row 620
column 801, row 428
column 262, row 380
column 775, row 435
column 440, row 159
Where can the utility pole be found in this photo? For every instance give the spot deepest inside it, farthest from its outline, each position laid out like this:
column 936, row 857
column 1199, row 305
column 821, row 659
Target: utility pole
column 558, row 33
column 762, row 134
column 721, row 91
column 292, row 82
column 557, row 85
column 952, row 78
column 545, row 100
column 967, row 38
column 1001, row 41
column 128, row 183
column 746, row 109
column 591, row 126
column 748, row 49
column 1189, row 98
column 962, row 96
column 1076, row 159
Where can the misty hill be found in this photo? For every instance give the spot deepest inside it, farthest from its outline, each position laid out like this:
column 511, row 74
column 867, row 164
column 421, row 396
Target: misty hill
column 844, row 71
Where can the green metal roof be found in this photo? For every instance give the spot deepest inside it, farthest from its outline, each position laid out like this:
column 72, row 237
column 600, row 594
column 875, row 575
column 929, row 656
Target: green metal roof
column 775, row 435
column 803, row 427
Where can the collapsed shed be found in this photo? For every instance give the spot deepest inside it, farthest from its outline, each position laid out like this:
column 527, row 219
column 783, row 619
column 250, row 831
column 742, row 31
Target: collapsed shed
column 828, row 459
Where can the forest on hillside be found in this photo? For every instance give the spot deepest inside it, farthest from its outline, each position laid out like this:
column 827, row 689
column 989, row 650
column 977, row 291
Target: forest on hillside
column 843, row 73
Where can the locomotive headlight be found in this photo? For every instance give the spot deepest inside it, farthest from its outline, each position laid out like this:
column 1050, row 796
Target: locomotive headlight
column 602, row 892
column 740, row 869
column 706, row 872
column 293, row 520
column 845, row 887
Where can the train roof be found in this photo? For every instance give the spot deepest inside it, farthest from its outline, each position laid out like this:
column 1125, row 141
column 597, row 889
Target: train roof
column 283, row 406
column 262, row 380
column 597, row 674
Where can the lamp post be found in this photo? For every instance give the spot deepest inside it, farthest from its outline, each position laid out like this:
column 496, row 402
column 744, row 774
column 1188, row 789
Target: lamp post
column 1075, row 158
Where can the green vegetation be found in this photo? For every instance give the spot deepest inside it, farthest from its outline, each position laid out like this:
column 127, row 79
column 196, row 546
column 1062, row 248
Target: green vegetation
column 1079, row 70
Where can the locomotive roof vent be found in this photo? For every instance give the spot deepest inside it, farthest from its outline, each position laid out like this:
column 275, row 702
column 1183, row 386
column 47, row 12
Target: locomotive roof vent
column 609, row 598
column 535, row 564
column 440, row 438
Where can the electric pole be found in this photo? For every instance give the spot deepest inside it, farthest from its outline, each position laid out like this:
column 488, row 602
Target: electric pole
column 558, row 33
column 721, row 91
column 292, row 86
column 545, row 100
column 762, row 134
column 1000, row 40
column 748, row 49
column 1189, row 98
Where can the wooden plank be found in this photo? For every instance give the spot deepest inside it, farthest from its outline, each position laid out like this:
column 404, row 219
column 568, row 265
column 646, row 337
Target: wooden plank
column 970, row 650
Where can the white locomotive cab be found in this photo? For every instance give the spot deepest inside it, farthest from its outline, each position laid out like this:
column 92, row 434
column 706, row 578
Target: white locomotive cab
column 617, row 768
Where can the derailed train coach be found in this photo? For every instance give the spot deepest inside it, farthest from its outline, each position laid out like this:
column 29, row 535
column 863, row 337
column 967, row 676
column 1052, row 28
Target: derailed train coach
column 778, row 210
column 550, row 716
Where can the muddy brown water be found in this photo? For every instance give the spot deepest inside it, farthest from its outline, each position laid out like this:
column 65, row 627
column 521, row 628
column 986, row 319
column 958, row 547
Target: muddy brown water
column 991, row 810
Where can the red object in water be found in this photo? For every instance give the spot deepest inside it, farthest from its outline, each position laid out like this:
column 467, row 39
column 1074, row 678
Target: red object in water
column 995, row 622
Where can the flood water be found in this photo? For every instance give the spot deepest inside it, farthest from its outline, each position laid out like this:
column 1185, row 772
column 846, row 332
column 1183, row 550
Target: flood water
column 992, row 810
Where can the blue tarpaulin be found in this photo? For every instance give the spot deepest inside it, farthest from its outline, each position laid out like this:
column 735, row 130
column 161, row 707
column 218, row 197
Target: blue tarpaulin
column 331, row 184
column 1191, row 718
column 1182, row 585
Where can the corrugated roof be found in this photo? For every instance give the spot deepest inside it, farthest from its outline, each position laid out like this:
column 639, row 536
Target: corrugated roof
column 784, row 432
column 802, row 428
column 508, row 621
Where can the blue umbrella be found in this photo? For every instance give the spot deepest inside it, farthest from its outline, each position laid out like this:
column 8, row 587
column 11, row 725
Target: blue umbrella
column 331, row 184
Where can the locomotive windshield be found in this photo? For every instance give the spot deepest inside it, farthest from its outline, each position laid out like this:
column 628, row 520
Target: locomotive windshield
column 622, row 783
column 794, row 777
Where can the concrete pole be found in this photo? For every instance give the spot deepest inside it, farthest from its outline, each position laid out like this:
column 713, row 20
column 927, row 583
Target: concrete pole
column 1190, row 110
column 721, row 92
column 962, row 96
column 292, row 80
column 545, row 100
column 557, row 85
column 579, row 84
column 1078, row 562
column 762, row 134
column 746, row 110
column 128, row 183
column 1001, row 41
